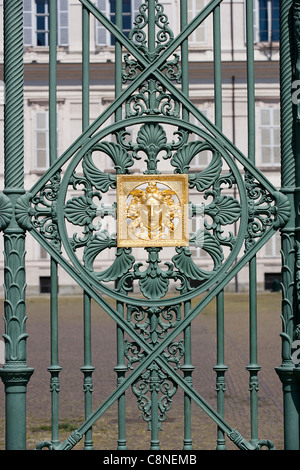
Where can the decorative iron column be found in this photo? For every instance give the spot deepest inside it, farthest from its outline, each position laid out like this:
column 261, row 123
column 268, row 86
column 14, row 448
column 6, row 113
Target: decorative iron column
column 290, row 150
column 15, row 373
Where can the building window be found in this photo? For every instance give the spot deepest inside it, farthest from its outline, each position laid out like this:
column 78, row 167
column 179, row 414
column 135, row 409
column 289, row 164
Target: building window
column 45, row 284
column 43, row 254
column 202, row 159
column 269, row 130
column 273, row 281
column 36, row 23
column 266, row 20
column 197, row 223
column 273, row 246
column 41, row 140
column 108, row 7
column 42, row 22
column 198, row 37
column 126, row 17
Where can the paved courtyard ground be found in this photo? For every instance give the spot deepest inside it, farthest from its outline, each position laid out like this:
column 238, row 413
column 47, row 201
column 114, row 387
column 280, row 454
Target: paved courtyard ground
column 105, row 433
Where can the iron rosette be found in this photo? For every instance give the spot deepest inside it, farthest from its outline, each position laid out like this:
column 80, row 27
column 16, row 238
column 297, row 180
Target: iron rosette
column 217, row 192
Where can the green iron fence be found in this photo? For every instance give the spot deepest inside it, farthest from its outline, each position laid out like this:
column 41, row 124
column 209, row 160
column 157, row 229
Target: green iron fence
column 152, row 95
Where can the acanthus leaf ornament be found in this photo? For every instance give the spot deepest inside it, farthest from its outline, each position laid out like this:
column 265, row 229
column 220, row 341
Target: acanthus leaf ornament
column 282, row 210
column 121, row 265
column 224, row 210
column 6, row 211
column 182, row 159
column 80, row 211
column 23, row 211
column 102, row 181
column 120, row 157
column 154, row 281
column 96, row 245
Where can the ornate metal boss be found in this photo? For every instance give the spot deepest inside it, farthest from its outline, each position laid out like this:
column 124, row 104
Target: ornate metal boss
column 152, row 210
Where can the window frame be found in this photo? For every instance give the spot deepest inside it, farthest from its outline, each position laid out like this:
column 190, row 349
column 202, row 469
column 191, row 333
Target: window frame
column 272, row 127
column 46, row 132
column 194, row 11
column 195, row 164
column 135, row 4
column 272, row 244
column 45, row 32
column 30, row 30
column 256, row 23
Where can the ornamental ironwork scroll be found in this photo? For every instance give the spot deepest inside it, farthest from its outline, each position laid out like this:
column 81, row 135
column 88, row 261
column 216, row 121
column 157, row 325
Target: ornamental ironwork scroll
column 157, row 192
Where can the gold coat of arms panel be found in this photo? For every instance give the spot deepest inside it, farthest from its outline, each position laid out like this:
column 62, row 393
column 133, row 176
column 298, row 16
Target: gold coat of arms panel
column 152, row 210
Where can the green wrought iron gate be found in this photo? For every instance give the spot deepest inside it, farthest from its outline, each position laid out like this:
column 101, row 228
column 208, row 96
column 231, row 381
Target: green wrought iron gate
column 155, row 197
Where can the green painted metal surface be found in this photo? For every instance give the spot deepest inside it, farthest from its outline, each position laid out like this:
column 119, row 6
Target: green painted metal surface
column 152, row 95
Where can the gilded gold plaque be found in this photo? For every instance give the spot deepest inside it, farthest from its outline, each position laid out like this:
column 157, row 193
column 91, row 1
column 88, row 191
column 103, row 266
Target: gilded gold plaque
column 152, row 210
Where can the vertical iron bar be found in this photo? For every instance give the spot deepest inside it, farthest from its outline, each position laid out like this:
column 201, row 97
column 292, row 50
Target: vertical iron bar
column 151, row 29
column 15, row 373
column 253, row 367
column 151, row 49
column 184, row 56
column 52, row 81
column 154, row 379
column 54, row 368
column 121, row 370
column 121, row 367
column 154, row 389
column 87, row 368
column 187, row 368
column 85, row 68
column 217, row 67
column 118, row 57
column 290, row 154
column 220, row 367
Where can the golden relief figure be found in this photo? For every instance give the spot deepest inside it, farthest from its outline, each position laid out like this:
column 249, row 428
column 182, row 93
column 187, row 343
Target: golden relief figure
column 151, row 210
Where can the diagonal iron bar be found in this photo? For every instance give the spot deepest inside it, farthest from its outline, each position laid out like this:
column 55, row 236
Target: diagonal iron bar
column 150, row 68
column 153, row 67
column 187, row 31
column 154, row 355
column 67, row 444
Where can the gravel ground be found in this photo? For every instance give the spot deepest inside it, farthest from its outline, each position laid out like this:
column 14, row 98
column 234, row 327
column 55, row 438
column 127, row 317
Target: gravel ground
column 105, row 432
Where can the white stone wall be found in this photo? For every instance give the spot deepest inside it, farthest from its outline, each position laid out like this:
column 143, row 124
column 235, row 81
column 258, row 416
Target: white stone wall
column 102, row 93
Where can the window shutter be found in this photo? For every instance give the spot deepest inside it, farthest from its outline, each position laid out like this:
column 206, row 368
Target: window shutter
column 102, row 36
column 41, row 128
column 41, row 140
column 63, row 22
column 256, row 21
column 270, row 136
column 199, row 35
column 28, row 24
